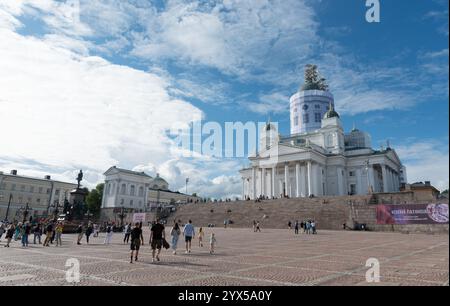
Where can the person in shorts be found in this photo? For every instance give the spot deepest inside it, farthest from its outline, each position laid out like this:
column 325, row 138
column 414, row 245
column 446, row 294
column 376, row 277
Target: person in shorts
column 156, row 239
column 136, row 240
column 189, row 233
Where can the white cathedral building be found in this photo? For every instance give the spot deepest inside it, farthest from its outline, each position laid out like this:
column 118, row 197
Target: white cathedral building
column 318, row 158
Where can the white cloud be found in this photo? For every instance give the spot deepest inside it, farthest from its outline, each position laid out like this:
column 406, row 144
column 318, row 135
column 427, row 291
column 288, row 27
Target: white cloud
column 426, row 160
column 69, row 111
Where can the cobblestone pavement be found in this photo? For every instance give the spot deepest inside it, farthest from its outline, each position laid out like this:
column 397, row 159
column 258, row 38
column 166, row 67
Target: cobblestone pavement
column 272, row 257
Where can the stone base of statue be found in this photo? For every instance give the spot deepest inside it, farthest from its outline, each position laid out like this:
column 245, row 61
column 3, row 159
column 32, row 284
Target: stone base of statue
column 77, row 204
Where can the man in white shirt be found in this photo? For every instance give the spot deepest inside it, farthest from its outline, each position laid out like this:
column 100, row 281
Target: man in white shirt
column 189, row 233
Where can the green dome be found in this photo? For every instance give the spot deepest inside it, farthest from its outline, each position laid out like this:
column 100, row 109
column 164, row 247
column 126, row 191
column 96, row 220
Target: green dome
column 331, row 113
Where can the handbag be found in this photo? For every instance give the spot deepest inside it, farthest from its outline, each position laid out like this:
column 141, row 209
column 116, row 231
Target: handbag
column 166, row 245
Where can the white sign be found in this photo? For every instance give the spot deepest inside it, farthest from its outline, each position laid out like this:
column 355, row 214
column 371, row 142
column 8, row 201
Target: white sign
column 138, row 217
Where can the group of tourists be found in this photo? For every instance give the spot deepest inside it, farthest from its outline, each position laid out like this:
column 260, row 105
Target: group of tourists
column 158, row 240
column 308, row 226
column 22, row 230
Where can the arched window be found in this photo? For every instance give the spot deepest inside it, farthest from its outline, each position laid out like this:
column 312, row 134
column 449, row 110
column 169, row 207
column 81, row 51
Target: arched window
column 132, row 190
column 123, row 189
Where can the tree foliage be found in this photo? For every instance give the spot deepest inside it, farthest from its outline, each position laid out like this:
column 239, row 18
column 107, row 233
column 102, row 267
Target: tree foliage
column 94, row 199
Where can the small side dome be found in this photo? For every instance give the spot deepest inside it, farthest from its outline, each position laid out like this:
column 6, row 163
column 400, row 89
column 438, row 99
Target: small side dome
column 331, row 113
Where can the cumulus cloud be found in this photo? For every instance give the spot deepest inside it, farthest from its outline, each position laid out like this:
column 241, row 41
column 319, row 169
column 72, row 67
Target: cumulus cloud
column 426, row 160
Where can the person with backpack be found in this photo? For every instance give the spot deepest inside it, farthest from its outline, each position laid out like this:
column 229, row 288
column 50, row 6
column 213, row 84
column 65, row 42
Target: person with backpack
column 157, row 237
column 109, row 234
column 48, row 233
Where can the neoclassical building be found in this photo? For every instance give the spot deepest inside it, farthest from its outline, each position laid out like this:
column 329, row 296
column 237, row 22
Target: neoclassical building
column 138, row 191
column 318, row 158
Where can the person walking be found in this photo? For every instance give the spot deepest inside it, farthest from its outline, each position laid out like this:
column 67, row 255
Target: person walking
column 175, row 232
column 157, row 235
column 254, row 225
column 212, row 243
column 201, row 234
column 289, row 225
column 136, row 240
column 313, row 227
column 18, row 231
column 79, row 231
column 48, row 233
column 258, row 228
column 89, row 231
column 26, row 230
column 109, row 234
column 10, row 234
column 2, row 230
column 96, row 230
column 189, row 233
column 58, row 233
column 296, row 227
column 127, row 232
column 37, row 231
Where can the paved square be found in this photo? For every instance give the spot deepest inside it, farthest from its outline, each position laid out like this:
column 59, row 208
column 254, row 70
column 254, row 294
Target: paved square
column 272, row 257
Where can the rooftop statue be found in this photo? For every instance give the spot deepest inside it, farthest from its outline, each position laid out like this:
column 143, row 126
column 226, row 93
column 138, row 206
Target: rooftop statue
column 313, row 80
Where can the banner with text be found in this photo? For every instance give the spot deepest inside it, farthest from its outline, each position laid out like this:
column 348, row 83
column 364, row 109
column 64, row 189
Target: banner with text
column 412, row 214
column 138, row 217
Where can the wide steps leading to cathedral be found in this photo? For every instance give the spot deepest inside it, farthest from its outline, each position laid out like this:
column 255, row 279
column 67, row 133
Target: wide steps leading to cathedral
column 329, row 212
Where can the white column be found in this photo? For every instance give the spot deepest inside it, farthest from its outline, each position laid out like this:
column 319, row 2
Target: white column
column 254, row 182
column 263, row 181
column 359, row 189
column 243, row 189
column 297, row 180
column 274, row 174
column 308, row 174
column 286, row 178
column 384, row 174
column 340, row 182
column 371, row 178
column 303, row 181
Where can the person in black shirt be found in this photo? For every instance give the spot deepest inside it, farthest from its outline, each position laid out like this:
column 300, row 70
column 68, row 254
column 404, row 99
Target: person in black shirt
column 156, row 239
column 136, row 240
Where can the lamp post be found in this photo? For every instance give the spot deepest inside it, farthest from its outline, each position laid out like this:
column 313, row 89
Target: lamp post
column 25, row 213
column 122, row 215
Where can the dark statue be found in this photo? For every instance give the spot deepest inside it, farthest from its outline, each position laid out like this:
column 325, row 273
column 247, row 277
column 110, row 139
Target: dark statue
column 79, row 178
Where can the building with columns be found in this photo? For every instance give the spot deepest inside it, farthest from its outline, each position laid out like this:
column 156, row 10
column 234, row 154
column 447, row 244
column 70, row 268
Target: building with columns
column 137, row 192
column 319, row 159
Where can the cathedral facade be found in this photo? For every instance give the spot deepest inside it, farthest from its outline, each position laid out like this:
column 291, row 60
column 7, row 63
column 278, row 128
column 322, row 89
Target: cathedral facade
column 318, row 158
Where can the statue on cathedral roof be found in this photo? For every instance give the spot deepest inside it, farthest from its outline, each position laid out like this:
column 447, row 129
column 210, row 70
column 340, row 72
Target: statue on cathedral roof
column 313, row 80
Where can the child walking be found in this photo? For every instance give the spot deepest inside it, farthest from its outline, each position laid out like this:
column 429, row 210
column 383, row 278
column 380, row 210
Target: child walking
column 212, row 243
column 201, row 234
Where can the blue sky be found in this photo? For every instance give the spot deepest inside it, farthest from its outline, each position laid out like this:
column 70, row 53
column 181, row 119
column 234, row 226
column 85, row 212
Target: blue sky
column 134, row 67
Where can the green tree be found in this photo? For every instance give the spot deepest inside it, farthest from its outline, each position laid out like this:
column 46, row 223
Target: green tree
column 94, row 199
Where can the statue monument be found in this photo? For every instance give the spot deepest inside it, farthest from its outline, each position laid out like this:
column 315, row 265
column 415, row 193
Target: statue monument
column 77, row 202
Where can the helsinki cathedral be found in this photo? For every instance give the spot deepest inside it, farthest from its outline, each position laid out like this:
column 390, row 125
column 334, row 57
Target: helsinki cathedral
column 318, row 158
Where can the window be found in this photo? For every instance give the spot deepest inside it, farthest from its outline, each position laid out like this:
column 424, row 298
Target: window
column 121, row 201
column 352, row 189
column 317, row 106
column 38, row 200
column 123, row 189
column 22, row 187
column 132, row 190
column 32, row 189
column 317, row 117
column 48, row 190
column 40, row 189
column 305, row 118
column 131, row 202
column 57, row 192
column 305, row 107
column 141, row 191
column 351, row 173
column 296, row 121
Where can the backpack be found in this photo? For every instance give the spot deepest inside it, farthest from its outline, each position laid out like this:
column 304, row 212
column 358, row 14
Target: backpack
column 108, row 229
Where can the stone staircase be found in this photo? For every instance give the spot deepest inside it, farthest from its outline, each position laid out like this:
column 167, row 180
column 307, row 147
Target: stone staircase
column 329, row 212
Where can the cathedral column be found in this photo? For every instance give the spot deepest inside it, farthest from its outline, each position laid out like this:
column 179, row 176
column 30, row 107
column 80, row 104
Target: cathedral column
column 274, row 173
column 371, row 178
column 308, row 174
column 384, row 174
column 254, row 182
column 263, row 181
column 297, row 179
column 359, row 187
column 243, row 189
column 286, row 177
column 340, row 182
column 303, row 181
